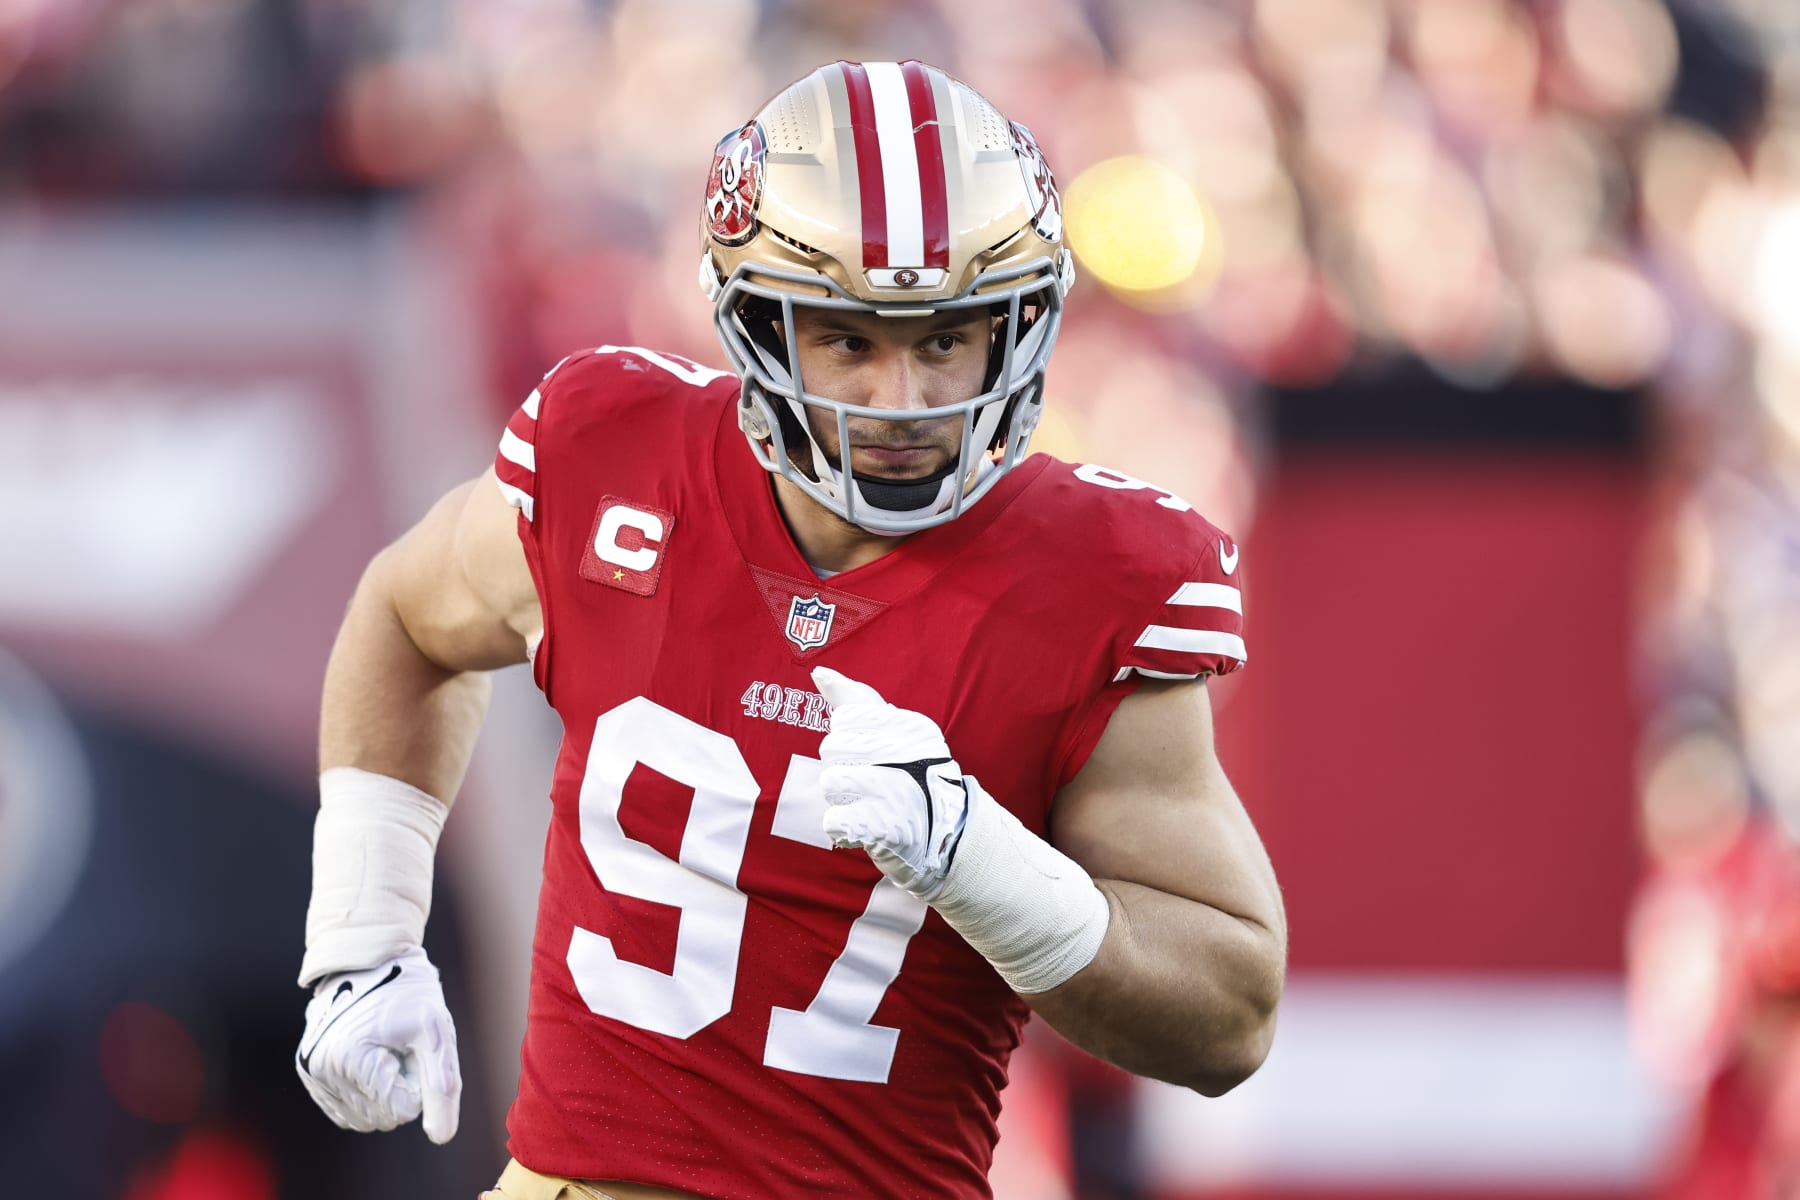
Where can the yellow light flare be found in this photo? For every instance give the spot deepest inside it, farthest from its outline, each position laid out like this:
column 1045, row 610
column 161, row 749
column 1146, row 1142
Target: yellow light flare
column 1141, row 229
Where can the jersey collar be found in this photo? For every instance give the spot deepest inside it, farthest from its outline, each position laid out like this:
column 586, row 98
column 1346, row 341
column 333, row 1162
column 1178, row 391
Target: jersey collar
column 747, row 498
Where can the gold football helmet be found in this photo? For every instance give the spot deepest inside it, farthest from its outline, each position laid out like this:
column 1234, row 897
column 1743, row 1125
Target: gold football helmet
column 889, row 188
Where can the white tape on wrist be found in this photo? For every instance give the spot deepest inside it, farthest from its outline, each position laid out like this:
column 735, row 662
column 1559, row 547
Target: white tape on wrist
column 1030, row 909
column 373, row 845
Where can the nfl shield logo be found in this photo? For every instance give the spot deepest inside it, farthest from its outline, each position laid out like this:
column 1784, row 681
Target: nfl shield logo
column 809, row 622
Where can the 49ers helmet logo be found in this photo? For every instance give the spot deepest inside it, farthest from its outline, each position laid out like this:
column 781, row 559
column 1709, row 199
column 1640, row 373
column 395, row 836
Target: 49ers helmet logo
column 735, row 185
column 1040, row 185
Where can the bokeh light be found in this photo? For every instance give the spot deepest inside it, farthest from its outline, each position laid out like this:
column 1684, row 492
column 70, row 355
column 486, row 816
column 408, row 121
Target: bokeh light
column 209, row 1165
column 1602, row 321
column 1776, row 282
column 1478, row 59
column 1694, row 798
column 1331, row 52
column 151, row 1063
column 1140, row 228
column 1622, row 54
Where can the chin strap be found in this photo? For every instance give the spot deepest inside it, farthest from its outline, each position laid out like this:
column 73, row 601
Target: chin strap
column 904, row 495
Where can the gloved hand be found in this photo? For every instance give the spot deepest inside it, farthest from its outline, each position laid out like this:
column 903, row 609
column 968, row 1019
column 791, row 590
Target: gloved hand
column 890, row 785
column 380, row 1048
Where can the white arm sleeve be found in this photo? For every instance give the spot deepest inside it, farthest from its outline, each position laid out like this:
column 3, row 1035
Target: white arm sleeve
column 373, row 845
column 1030, row 909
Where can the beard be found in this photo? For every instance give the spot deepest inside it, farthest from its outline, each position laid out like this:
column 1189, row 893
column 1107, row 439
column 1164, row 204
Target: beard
column 890, row 450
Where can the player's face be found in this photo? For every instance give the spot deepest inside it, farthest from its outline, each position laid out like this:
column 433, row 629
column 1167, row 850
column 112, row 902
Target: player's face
column 907, row 364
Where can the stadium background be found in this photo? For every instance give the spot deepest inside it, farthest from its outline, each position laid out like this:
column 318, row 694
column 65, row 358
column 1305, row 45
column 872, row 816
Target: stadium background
column 1478, row 321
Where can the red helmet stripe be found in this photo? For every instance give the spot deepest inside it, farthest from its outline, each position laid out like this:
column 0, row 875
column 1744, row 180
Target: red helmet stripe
column 928, row 141
column 870, row 185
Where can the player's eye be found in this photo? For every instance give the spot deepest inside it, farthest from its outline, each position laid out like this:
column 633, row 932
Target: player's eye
column 849, row 343
column 944, row 343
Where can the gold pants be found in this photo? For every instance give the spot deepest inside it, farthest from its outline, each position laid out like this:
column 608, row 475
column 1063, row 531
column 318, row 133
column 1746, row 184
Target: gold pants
column 519, row 1182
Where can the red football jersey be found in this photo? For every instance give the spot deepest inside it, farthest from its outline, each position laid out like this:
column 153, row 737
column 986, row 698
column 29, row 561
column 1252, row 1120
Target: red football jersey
column 720, row 1002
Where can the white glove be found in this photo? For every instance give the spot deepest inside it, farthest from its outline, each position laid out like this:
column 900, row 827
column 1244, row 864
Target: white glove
column 890, row 784
column 892, row 788
column 380, row 1048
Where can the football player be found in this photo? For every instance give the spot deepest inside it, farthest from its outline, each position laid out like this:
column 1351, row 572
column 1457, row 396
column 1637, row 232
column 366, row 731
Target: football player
column 880, row 736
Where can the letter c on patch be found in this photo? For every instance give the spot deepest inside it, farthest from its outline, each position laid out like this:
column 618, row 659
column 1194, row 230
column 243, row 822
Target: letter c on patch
column 606, row 537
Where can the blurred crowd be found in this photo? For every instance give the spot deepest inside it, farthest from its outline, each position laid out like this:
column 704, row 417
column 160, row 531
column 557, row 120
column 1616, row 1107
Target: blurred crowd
column 1301, row 190
column 1293, row 194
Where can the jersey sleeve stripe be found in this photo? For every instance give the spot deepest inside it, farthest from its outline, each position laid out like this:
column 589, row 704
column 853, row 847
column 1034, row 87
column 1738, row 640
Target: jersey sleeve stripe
column 516, row 449
column 511, row 472
column 515, row 466
column 1125, row 673
column 530, row 407
column 1194, row 641
column 516, row 497
column 1209, row 595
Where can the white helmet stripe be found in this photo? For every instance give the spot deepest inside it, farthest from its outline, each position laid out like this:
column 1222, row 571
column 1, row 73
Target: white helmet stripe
column 899, row 165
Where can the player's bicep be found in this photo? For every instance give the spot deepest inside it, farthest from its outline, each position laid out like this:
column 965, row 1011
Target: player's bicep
column 1152, row 806
column 460, row 584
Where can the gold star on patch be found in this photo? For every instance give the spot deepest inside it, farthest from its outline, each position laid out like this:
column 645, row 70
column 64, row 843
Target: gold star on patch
column 617, row 574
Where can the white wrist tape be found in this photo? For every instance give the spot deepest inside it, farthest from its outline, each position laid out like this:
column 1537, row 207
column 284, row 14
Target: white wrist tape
column 1031, row 910
column 373, row 844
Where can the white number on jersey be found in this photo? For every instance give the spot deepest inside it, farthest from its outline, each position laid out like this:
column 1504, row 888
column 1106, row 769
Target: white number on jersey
column 834, row 1036
column 684, row 369
column 702, row 883
column 1106, row 477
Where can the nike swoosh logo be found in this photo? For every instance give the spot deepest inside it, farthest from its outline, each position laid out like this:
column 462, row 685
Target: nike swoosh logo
column 1228, row 562
column 961, row 782
column 918, row 770
column 306, row 1053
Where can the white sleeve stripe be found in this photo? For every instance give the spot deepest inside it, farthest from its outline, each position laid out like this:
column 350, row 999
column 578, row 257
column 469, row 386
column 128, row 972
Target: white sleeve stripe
column 532, row 401
column 1195, row 641
column 1209, row 595
column 516, row 497
column 1125, row 673
column 515, row 449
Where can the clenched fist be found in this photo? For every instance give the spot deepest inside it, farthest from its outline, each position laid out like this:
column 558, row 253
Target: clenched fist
column 891, row 786
column 380, row 1049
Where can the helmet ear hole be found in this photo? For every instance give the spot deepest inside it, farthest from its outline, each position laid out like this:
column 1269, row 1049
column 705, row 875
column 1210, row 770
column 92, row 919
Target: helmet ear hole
column 1031, row 308
column 761, row 321
column 996, row 346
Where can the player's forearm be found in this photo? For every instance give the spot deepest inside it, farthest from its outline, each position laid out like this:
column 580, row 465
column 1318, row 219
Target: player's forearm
column 1178, row 991
column 390, row 709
